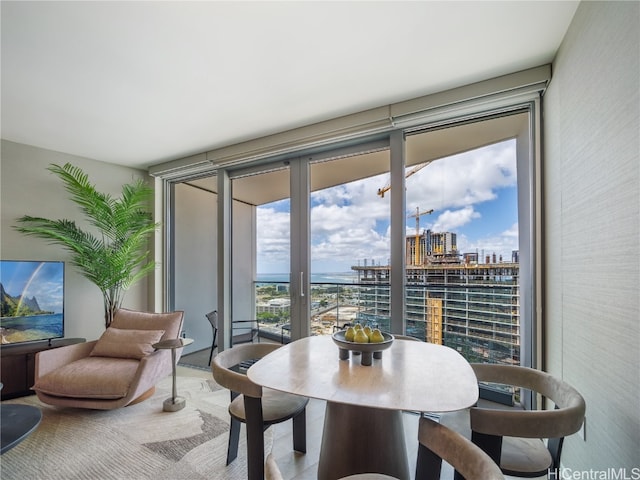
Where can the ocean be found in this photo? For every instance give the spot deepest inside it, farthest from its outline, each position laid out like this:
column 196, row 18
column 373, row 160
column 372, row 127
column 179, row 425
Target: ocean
column 331, row 277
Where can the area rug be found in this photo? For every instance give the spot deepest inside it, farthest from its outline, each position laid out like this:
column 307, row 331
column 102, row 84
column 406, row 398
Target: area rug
column 133, row 443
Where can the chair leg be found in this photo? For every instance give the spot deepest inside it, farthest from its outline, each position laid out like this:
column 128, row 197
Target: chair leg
column 213, row 345
column 490, row 444
column 255, row 438
column 300, row 432
column 234, row 440
column 428, row 465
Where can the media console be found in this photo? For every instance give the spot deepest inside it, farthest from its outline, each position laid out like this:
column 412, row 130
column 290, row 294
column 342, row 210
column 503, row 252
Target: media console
column 18, row 364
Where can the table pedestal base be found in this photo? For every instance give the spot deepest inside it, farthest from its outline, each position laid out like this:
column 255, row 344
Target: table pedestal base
column 174, row 404
column 362, row 440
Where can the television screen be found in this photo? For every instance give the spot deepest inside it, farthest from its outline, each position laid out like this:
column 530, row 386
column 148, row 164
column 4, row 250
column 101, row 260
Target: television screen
column 32, row 301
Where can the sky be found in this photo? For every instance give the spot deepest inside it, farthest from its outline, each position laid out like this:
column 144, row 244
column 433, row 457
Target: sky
column 43, row 280
column 472, row 194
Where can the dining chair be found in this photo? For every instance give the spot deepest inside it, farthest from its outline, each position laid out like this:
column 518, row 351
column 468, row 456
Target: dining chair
column 437, row 443
column 244, row 331
column 256, row 407
column 514, row 437
column 272, row 472
column 406, row 337
column 213, row 320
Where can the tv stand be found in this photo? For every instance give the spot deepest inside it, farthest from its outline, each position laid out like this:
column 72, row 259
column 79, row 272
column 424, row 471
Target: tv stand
column 19, row 362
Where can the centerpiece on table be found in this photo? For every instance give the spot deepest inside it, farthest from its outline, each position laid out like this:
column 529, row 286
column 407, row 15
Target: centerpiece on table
column 366, row 341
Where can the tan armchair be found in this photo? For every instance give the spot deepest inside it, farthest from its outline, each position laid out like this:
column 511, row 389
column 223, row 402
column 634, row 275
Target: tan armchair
column 513, row 437
column 116, row 370
column 437, row 443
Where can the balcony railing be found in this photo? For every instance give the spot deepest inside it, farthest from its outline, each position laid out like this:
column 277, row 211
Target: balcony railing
column 482, row 323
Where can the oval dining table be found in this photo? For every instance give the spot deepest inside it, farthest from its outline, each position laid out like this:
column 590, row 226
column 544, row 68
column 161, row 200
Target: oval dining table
column 363, row 429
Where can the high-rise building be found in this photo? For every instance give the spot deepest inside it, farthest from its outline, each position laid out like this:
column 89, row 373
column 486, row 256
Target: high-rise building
column 469, row 306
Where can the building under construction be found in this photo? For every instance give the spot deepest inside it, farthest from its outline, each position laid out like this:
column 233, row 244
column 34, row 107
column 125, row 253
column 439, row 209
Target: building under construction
column 451, row 300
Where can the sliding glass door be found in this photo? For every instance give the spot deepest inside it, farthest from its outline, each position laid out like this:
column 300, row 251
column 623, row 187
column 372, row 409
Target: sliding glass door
column 260, row 251
column 350, row 227
column 427, row 231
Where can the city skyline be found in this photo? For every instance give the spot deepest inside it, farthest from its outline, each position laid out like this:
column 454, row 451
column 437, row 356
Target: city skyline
column 472, row 194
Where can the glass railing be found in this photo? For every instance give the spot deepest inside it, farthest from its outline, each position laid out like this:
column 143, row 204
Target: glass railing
column 333, row 305
column 483, row 324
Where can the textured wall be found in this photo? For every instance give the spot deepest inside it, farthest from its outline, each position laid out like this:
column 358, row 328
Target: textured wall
column 592, row 212
column 28, row 188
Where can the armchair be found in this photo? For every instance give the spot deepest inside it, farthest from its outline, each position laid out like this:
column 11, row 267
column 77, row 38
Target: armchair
column 512, row 437
column 119, row 369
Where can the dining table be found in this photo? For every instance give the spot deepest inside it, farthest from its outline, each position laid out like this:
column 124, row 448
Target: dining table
column 363, row 429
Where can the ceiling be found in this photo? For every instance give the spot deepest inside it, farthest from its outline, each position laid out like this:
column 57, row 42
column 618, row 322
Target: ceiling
column 141, row 83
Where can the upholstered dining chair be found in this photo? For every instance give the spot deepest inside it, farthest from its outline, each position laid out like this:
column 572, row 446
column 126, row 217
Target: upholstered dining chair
column 406, row 337
column 256, row 407
column 272, row 472
column 437, row 443
column 118, row 369
column 513, row 437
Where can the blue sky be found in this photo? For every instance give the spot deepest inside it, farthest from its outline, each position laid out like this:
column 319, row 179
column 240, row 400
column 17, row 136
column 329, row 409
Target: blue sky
column 473, row 194
column 44, row 280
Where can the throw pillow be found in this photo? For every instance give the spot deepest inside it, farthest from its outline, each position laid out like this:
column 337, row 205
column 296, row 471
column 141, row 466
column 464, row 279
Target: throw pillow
column 125, row 343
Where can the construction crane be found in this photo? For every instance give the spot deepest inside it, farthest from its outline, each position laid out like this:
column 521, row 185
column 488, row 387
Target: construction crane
column 417, row 215
column 417, row 168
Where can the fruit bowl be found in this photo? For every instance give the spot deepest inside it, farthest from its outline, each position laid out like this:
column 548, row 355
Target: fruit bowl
column 368, row 350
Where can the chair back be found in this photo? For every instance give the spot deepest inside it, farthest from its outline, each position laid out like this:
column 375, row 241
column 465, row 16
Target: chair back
column 565, row 419
column 438, row 443
column 170, row 322
column 406, row 337
column 271, row 470
column 213, row 319
column 222, row 364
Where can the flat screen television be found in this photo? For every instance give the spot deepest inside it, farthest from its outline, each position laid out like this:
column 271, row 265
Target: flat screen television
column 31, row 301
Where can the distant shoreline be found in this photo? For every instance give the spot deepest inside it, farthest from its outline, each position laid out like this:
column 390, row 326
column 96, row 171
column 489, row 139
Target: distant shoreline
column 32, row 315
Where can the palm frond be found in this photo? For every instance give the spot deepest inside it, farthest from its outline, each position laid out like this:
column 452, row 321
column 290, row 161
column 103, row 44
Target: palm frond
column 96, row 206
column 118, row 257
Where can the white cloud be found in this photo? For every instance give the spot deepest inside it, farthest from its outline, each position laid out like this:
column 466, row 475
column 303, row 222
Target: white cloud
column 464, row 179
column 350, row 222
column 273, row 245
column 450, row 220
column 501, row 244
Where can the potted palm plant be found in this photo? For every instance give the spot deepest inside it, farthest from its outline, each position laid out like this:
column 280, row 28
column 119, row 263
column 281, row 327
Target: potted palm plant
column 114, row 255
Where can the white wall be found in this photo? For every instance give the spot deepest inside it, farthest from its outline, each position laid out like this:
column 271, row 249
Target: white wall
column 28, row 188
column 196, row 263
column 592, row 239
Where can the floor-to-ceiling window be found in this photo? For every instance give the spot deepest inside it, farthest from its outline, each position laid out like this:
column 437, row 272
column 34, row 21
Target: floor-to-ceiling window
column 428, row 229
column 462, row 261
